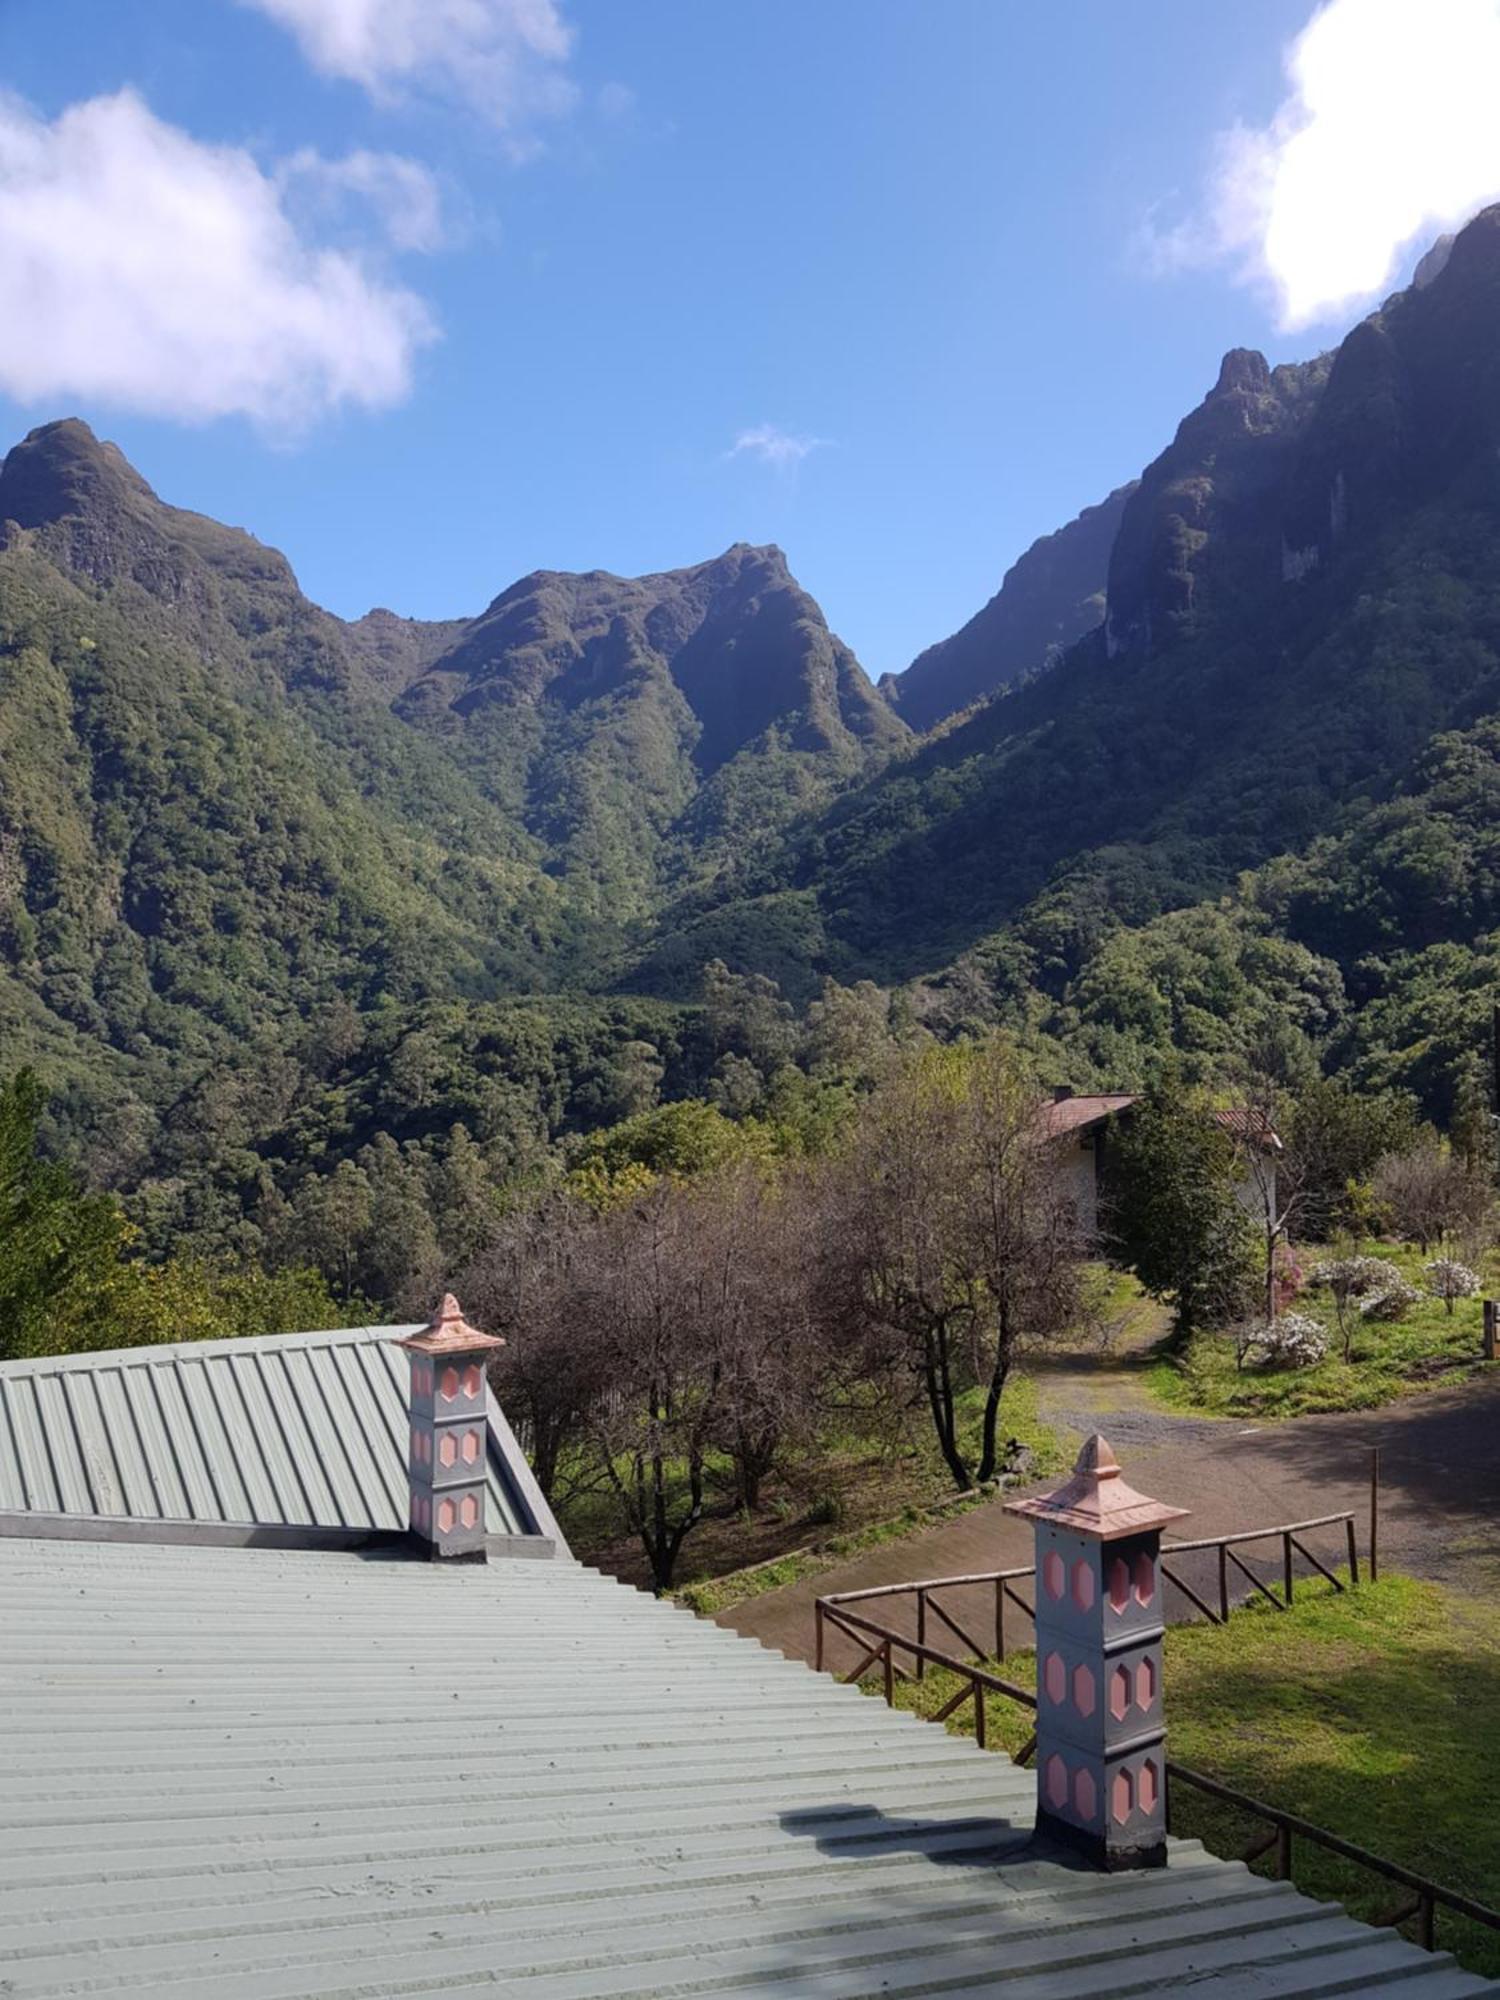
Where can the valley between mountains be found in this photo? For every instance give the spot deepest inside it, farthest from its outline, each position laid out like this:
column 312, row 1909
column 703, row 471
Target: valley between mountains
column 1218, row 764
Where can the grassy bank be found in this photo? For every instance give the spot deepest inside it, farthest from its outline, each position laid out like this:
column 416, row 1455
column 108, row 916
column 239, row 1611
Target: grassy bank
column 1427, row 1348
column 1375, row 1714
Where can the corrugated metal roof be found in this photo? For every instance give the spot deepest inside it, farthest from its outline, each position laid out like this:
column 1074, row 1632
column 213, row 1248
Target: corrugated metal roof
column 305, row 1430
column 263, row 1775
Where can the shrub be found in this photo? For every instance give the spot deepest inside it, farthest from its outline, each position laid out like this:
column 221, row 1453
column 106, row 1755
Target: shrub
column 1295, row 1340
column 1392, row 1302
column 1373, row 1287
column 1449, row 1280
column 1356, row 1277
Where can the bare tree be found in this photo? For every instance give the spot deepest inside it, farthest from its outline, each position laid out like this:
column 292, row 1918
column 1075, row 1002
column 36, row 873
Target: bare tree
column 957, row 1237
column 1272, row 1177
column 1028, row 1246
column 526, row 1285
column 1431, row 1192
column 652, row 1284
column 768, row 1329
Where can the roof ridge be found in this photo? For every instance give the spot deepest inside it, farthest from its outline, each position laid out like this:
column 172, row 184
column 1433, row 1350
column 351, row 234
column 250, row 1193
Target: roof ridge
column 176, row 1350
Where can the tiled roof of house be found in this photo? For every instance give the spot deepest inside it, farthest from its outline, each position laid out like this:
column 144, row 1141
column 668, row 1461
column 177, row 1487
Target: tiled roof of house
column 261, row 1774
column 1074, row 1114
column 1077, row 1113
column 306, row 1431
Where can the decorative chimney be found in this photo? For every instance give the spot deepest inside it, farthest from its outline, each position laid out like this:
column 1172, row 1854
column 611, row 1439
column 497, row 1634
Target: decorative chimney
column 1100, row 1739
column 448, row 1455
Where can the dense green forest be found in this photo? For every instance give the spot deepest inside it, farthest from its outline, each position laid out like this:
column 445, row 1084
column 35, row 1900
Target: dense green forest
column 326, row 942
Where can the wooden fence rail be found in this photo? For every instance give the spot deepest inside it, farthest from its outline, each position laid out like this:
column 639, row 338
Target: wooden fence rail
column 1291, row 1534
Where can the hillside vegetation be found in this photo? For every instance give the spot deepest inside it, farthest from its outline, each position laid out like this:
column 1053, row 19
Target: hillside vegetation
column 427, row 904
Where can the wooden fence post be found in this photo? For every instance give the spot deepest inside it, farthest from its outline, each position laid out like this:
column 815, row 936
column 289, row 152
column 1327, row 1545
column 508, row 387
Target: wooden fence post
column 1491, row 1314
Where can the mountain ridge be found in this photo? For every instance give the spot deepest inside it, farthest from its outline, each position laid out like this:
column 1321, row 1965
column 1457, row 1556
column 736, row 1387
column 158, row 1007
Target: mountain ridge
column 1049, row 598
column 226, row 814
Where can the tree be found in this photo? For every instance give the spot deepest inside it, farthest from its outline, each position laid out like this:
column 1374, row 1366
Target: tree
column 958, row 1240
column 526, row 1284
column 1335, row 1138
column 1471, row 1129
column 762, row 1314
column 1270, row 1177
column 649, row 1282
column 59, row 1245
column 1449, row 1281
column 1174, row 1216
column 327, row 1223
column 1432, row 1192
column 745, row 1015
column 847, row 1033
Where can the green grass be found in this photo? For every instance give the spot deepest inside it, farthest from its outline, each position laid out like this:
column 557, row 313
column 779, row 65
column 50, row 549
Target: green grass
column 1375, row 1714
column 717, row 1593
column 1428, row 1348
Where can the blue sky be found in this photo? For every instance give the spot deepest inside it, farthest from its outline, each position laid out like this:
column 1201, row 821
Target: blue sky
column 951, row 269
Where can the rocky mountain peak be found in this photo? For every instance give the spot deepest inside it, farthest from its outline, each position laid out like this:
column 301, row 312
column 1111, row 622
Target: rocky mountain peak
column 92, row 513
column 1243, row 368
column 61, row 470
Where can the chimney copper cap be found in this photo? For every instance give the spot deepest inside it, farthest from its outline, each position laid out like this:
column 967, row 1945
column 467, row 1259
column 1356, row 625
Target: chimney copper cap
column 450, row 1333
column 1096, row 1500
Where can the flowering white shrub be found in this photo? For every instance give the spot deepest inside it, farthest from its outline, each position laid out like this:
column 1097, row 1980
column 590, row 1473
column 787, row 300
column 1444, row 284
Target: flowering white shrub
column 1357, row 1277
column 1295, row 1340
column 1394, row 1302
column 1448, row 1280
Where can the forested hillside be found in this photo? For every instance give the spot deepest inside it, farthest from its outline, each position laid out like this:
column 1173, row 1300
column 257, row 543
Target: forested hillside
column 1304, row 591
column 321, row 932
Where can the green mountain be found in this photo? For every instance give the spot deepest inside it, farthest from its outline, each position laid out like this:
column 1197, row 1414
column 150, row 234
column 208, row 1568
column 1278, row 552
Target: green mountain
column 223, row 810
column 643, row 728
column 1222, row 757
column 1049, row 599
column 1303, row 591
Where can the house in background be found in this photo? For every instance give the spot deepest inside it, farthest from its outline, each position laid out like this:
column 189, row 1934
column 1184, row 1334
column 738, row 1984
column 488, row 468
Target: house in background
column 1081, row 1124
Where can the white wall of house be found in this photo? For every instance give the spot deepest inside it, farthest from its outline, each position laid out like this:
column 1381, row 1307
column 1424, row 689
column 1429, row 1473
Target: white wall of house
column 1255, row 1189
column 1078, row 1172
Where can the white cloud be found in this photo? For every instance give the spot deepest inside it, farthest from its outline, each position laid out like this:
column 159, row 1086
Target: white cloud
column 773, row 446
column 401, row 193
column 507, row 57
column 1389, row 133
column 146, row 270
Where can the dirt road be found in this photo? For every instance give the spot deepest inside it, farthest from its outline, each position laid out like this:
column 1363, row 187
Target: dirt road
column 1440, row 1480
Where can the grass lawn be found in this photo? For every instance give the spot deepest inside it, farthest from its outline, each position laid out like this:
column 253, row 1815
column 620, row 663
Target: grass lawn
column 1427, row 1348
column 854, row 1489
column 1375, row 1714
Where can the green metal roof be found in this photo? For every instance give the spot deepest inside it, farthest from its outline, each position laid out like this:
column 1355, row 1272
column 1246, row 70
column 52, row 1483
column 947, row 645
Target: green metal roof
column 296, row 1430
column 292, row 1775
